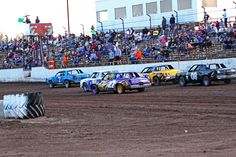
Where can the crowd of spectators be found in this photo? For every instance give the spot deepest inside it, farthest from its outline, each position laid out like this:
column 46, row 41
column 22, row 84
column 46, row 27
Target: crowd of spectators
column 113, row 47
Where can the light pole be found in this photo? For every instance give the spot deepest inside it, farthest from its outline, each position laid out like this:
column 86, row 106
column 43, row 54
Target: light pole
column 82, row 28
column 123, row 24
column 177, row 18
column 68, row 16
column 101, row 25
column 150, row 20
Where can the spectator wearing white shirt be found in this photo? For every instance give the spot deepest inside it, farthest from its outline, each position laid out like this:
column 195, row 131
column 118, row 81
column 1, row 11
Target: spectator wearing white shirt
column 225, row 16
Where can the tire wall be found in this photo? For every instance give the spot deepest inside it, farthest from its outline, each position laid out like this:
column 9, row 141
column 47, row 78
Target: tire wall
column 22, row 106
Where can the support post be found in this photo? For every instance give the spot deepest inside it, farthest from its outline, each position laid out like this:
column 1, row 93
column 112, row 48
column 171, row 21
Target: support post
column 150, row 20
column 123, row 24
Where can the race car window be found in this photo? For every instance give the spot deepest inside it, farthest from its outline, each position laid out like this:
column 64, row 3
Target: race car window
column 80, row 71
column 103, row 74
column 222, row 66
column 94, row 75
column 135, row 75
column 126, row 75
column 60, row 74
column 109, row 77
column 147, row 70
column 170, row 67
column 198, row 68
column 214, row 66
column 163, row 68
column 73, row 72
column 193, row 68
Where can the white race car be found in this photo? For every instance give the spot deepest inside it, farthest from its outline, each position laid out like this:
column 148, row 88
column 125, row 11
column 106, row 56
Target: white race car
column 94, row 78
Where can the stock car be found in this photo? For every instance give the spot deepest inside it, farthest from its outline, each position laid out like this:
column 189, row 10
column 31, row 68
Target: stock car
column 119, row 82
column 206, row 73
column 158, row 74
column 95, row 77
column 66, row 78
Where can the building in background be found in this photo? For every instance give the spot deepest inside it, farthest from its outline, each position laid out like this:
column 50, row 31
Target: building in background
column 137, row 13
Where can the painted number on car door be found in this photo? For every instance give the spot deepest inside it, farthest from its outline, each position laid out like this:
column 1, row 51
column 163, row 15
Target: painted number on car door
column 193, row 75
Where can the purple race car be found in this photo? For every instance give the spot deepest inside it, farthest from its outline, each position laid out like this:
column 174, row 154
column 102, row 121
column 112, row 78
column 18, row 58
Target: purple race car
column 119, row 82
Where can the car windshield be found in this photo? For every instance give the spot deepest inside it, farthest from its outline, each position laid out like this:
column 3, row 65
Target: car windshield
column 148, row 70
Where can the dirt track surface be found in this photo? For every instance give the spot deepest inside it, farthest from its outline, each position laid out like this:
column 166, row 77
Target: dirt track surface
column 166, row 121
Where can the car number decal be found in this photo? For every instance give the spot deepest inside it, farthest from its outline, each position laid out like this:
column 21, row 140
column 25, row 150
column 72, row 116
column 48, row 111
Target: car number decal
column 193, row 75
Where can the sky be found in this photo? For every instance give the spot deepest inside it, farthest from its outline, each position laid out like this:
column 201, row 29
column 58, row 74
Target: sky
column 48, row 11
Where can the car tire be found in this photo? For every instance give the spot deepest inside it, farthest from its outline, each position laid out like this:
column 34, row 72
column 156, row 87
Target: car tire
column 120, row 89
column 51, row 85
column 141, row 90
column 67, row 83
column 25, row 106
column 95, row 89
column 182, row 81
column 85, row 87
column 206, row 81
column 227, row 81
column 156, row 81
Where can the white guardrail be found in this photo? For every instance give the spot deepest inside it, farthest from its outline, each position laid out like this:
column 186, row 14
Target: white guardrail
column 39, row 74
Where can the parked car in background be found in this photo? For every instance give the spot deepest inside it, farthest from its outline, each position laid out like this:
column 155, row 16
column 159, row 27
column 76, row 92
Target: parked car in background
column 95, row 77
column 158, row 74
column 66, row 78
column 206, row 73
column 120, row 82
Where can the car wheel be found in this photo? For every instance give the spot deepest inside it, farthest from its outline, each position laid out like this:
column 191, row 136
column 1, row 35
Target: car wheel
column 51, row 85
column 228, row 81
column 85, row 87
column 67, row 83
column 206, row 81
column 120, row 89
column 141, row 89
column 182, row 81
column 95, row 89
column 156, row 81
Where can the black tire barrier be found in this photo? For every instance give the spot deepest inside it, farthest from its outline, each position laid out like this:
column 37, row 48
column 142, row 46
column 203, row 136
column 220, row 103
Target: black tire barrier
column 22, row 106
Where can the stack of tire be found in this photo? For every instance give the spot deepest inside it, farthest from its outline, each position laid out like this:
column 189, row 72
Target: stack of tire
column 22, row 106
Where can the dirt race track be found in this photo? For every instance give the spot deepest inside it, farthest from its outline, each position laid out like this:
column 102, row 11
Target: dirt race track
column 165, row 121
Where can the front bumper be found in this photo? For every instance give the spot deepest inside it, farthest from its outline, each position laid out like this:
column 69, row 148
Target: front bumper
column 140, row 86
column 222, row 77
column 168, row 78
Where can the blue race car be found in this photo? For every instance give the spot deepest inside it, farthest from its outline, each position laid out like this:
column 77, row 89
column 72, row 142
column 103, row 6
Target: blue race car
column 66, row 78
column 119, row 82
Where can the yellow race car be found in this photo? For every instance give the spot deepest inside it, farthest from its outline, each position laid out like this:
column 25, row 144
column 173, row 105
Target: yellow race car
column 158, row 74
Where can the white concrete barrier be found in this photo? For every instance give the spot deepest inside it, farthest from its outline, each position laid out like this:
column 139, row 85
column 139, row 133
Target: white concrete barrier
column 9, row 75
column 41, row 73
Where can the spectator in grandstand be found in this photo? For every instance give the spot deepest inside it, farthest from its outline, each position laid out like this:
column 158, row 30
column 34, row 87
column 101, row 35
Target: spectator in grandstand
column 225, row 17
column 118, row 55
column 172, row 21
column 65, row 61
column 111, row 57
column 139, row 55
column 164, row 23
column 37, row 20
column 206, row 20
